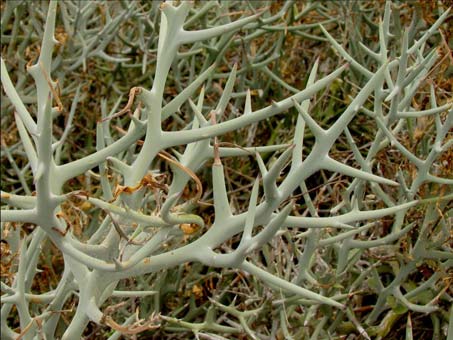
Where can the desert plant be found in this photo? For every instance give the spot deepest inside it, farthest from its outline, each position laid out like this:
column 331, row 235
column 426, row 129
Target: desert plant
column 147, row 214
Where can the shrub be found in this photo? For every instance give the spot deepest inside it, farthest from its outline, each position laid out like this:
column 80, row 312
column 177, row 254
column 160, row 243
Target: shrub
column 178, row 214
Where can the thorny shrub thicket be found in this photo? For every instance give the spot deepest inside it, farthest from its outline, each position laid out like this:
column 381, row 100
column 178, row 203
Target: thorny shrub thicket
column 226, row 169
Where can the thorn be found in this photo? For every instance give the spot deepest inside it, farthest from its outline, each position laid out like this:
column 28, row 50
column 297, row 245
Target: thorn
column 216, row 142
